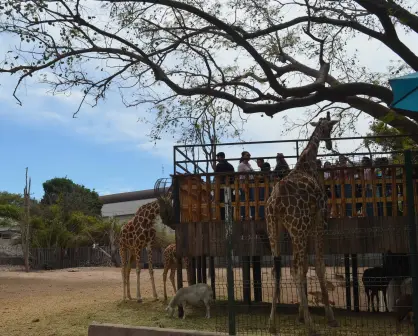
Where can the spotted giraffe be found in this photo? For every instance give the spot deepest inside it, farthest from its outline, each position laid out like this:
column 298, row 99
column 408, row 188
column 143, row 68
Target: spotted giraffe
column 298, row 204
column 170, row 262
column 139, row 233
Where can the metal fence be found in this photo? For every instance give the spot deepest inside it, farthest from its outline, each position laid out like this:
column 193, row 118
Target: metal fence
column 87, row 256
column 369, row 293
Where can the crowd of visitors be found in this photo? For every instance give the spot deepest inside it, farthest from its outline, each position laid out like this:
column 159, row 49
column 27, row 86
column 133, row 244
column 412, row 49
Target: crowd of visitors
column 340, row 183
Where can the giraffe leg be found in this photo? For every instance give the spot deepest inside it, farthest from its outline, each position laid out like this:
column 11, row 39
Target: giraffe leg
column 320, row 272
column 165, row 280
column 151, row 272
column 172, row 275
column 301, row 318
column 300, row 280
column 138, row 274
column 275, row 248
column 128, row 274
column 123, row 261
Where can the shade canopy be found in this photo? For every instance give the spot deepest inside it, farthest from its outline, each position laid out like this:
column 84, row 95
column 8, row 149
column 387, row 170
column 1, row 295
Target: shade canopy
column 405, row 92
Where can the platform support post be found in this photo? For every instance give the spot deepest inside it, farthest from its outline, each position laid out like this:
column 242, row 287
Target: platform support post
column 230, row 269
column 412, row 233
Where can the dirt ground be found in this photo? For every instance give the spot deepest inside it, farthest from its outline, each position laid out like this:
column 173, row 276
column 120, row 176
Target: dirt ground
column 65, row 302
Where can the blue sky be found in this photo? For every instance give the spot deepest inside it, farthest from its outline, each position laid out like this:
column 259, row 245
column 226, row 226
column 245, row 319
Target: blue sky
column 53, row 144
column 52, row 152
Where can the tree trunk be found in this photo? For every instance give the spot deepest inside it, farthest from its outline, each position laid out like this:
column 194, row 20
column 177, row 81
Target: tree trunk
column 113, row 244
column 25, row 225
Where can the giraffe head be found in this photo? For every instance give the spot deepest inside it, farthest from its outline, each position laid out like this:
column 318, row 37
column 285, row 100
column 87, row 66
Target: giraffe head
column 324, row 128
column 165, row 203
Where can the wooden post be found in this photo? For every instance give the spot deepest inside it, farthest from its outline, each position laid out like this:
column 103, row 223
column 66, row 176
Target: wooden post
column 246, row 279
column 212, row 275
column 192, row 270
column 199, row 269
column 204, row 270
column 258, row 293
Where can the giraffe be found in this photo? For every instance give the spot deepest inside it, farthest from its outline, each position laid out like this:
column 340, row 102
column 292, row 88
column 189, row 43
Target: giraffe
column 298, row 204
column 140, row 233
column 170, row 262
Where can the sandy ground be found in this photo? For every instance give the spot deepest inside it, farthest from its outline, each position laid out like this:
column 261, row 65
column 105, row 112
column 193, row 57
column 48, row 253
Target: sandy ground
column 64, row 302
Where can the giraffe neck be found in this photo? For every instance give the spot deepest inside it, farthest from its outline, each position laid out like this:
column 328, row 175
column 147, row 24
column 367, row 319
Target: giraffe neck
column 151, row 210
column 307, row 160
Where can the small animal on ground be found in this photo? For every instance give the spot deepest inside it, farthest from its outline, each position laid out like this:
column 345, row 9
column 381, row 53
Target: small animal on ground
column 375, row 280
column 403, row 308
column 191, row 295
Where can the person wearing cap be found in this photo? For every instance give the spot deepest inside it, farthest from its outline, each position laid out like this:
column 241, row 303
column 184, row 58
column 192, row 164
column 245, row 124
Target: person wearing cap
column 367, row 163
column 223, row 166
column 282, row 168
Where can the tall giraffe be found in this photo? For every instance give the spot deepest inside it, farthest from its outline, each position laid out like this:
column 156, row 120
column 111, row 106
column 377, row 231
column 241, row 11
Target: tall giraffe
column 139, row 233
column 298, row 204
column 170, row 263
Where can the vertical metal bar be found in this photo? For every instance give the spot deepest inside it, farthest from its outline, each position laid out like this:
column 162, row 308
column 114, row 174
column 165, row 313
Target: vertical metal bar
column 174, row 159
column 176, row 208
column 412, row 233
column 258, row 294
column 246, row 279
column 278, row 271
column 347, row 281
column 230, row 269
column 354, row 267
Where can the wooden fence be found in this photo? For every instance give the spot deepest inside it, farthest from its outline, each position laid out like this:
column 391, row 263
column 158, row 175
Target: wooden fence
column 58, row 258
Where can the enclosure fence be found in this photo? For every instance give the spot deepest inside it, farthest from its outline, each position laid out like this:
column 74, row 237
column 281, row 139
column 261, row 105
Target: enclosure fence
column 84, row 256
column 371, row 271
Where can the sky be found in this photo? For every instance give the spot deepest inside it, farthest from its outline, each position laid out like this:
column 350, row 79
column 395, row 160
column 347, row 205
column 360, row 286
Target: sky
column 105, row 148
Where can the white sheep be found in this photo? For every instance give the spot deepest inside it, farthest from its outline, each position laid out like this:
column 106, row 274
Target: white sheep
column 191, row 295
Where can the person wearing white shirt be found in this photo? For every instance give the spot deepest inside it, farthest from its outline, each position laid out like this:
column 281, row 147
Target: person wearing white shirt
column 245, row 166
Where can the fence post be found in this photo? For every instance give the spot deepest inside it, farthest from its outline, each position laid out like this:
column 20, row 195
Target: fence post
column 176, row 209
column 412, row 233
column 230, row 266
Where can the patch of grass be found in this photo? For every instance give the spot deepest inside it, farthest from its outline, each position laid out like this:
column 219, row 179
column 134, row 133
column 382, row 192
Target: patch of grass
column 75, row 321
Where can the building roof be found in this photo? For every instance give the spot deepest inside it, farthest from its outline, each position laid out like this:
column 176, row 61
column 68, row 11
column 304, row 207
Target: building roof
column 130, row 196
column 123, row 208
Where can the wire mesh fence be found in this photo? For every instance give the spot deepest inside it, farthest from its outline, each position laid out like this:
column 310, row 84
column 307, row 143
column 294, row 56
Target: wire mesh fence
column 363, row 289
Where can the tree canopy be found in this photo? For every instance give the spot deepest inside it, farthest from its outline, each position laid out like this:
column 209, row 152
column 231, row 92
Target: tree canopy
column 251, row 56
column 73, row 196
column 68, row 215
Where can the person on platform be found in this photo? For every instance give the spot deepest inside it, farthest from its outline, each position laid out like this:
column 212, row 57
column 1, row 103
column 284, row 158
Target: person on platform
column 264, row 167
column 223, row 166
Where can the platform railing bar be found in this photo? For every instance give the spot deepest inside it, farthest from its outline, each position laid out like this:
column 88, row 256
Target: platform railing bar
column 295, row 140
column 295, row 156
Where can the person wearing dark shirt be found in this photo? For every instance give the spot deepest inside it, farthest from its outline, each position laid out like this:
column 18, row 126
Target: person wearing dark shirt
column 223, row 166
column 282, row 168
column 264, row 167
